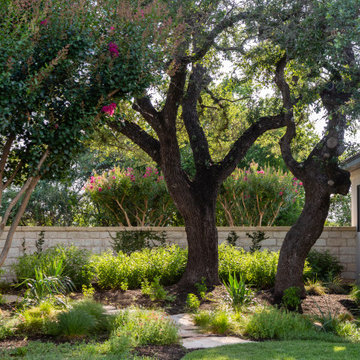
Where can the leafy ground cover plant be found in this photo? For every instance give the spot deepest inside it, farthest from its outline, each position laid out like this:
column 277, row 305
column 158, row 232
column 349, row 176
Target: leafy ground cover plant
column 355, row 294
column 201, row 288
column 314, row 287
column 218, row 322
column 155, row 290
column 76, row 262
column 291, row 299
column 192, row 302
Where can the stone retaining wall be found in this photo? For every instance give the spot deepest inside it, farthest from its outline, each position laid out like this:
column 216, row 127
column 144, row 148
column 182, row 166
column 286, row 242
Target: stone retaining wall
column 340, row 241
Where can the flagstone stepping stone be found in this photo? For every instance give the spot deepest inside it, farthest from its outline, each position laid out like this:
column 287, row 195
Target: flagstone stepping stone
column 193, row 339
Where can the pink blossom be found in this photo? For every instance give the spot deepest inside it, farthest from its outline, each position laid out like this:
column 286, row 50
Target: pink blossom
column 280, row 193
column 114, row 177
column 44, row 22
column 296, row 190
column 100, row 189
column 245, row 178
column 261, row 172
column 113, row 170
column 112, row 28
column 109, row 109
column 300, row 183
column 114, row 49
column 91, row 181
column 91, row 187
column 294, row 179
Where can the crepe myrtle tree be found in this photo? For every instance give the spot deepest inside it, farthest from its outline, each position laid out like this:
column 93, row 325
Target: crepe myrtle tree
column 188, row 71
column 58, row 65
column 320, row 67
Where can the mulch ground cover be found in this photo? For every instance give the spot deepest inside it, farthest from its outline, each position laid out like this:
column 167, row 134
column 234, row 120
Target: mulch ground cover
column 335, row 304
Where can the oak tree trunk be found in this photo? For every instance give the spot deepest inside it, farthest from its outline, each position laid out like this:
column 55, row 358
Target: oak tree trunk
column 202, row 238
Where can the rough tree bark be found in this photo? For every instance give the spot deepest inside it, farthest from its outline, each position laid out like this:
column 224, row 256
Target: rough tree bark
column 321, row 177
column 195, row 198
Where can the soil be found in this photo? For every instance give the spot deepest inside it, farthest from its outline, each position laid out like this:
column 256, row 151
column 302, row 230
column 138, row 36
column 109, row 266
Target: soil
column 335, row 304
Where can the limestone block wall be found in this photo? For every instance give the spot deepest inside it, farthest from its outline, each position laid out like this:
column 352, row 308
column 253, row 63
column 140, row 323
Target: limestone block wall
column 339, row 241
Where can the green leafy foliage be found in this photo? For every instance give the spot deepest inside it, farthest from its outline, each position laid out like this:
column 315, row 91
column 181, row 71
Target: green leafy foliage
column 167, row 263
column 324, row 266
column 132, row 198
column 155, row 291
column 291, row 299
column 257, row 269
column 43, row 285
column 255, row 197
column 238, row 292
column 76, row 264
column 129, row 241
column 256, row 238
column 201, row 288
column 192, row 302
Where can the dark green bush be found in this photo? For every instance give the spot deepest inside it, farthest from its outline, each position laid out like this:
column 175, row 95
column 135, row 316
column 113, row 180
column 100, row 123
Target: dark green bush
column 128, row 271
column 76, row 262
column 130, row 241
column 324, row 266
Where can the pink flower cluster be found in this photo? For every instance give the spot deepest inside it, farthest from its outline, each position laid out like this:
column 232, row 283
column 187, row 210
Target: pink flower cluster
column 150, row 171
column 109, row 109
column 44, row 22
column 114, row 49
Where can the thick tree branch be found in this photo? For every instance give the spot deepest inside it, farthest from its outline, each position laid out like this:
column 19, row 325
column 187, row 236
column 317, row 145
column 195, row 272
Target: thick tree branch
column 174, row 94
column 200, row 51
column 285, row 142
column 148, row 112
column 242, row 145
column 198, row 141
column 12, row 176
column 140, row 137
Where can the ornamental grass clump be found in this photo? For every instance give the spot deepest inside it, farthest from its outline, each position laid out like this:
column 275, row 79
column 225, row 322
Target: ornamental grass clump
column 145, row 327
column 271, row 323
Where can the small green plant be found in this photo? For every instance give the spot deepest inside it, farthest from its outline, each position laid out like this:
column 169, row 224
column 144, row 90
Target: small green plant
column 39, row 243
column 238, row 292
column 324, row 266
column 88, row 291
column 314, row 287
column 291, row 299
column 355, row 294
column 232, row 238
column 256, row 238
column 192, row 302
column 201, row 288
column 43, row 285
column 155, row 290
column 130, row 241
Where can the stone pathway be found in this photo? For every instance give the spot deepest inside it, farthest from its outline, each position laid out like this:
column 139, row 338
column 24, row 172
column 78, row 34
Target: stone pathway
column 193, row 339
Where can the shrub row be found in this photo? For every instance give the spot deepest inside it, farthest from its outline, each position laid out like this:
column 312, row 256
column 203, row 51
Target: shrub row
column 123, row 271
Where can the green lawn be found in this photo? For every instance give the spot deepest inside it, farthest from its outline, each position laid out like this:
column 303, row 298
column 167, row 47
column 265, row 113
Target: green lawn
column 281, row 350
